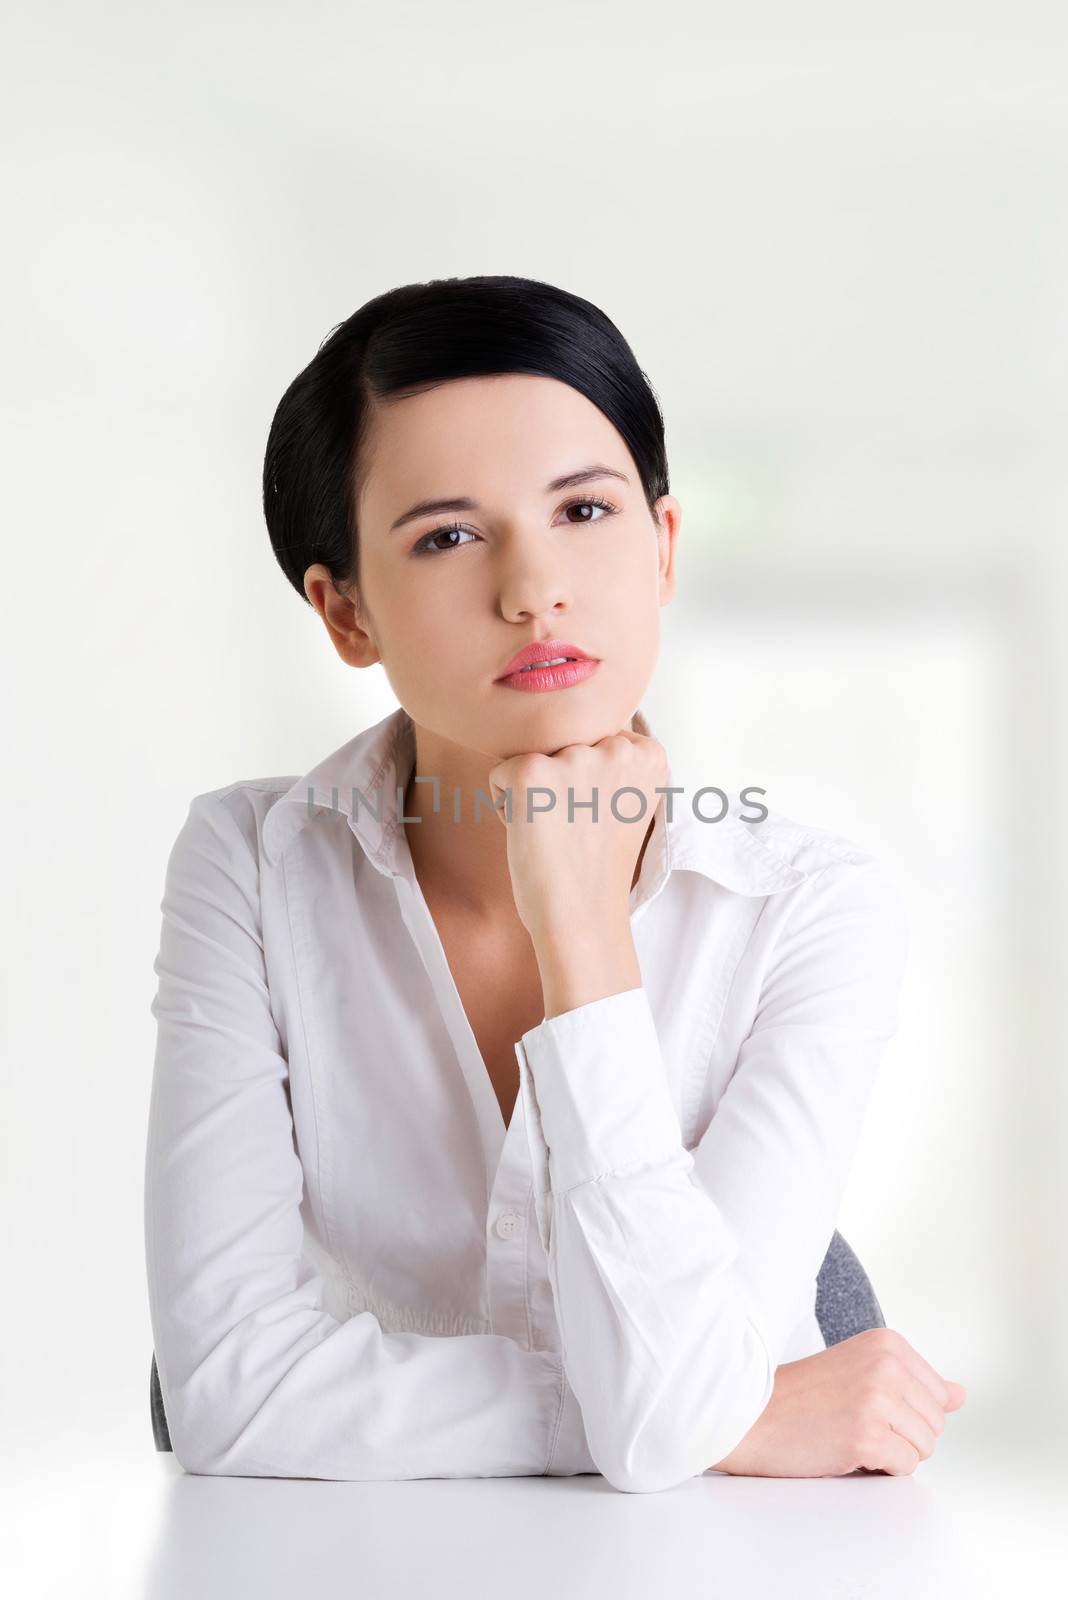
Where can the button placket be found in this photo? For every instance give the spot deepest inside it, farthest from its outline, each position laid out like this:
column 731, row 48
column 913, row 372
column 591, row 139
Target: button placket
column 508, row 1224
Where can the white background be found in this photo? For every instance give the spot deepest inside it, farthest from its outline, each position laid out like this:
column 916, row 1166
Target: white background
column 835, row 236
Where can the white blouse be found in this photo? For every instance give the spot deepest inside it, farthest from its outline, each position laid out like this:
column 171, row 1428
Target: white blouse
column 356, row 1271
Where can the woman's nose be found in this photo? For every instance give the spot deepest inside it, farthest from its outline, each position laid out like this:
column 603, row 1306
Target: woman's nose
column 531, row 588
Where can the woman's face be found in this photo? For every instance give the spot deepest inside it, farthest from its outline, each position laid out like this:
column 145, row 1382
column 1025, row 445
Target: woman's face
column 445, row 611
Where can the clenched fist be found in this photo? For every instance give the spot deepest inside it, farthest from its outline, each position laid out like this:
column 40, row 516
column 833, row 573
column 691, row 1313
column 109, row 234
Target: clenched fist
column 870, row 1403
column 574, row 871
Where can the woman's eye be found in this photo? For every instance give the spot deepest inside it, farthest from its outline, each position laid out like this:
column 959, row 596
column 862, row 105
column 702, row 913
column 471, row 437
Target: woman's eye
column 426, row 545
column 590, row 505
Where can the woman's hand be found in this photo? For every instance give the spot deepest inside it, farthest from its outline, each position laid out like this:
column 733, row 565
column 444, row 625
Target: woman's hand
column 871, row 1402
column 571, row 879
column 579, row 871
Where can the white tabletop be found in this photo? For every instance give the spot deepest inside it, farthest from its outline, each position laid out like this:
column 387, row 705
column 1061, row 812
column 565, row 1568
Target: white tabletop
column 975, row 1519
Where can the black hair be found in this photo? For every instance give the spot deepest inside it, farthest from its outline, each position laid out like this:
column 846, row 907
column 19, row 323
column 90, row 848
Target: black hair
column 411, row 338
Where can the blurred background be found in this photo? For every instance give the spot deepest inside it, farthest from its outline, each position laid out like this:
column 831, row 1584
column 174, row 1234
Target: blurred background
column 835, row 236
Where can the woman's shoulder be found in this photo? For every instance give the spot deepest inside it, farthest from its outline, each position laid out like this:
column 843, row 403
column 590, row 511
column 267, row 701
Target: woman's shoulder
column 809, row 845
column 752, row 845
column 814, row 851
column 233, row 815
column 836, row 873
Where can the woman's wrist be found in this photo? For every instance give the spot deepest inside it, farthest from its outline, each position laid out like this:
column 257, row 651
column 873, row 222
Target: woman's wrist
column 581, row 962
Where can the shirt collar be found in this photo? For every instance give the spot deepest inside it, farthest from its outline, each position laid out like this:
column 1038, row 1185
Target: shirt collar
column 360, row 782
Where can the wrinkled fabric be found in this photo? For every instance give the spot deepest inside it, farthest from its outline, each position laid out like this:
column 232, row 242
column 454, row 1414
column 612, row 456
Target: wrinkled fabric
column 357, row 1271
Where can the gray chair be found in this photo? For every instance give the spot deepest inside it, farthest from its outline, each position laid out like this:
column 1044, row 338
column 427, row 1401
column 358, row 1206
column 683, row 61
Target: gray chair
column 160, row 1431
column 845, row 1299
column 845, row 1305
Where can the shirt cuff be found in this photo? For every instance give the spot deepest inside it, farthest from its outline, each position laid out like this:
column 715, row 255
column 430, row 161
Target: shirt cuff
column 596, row 1095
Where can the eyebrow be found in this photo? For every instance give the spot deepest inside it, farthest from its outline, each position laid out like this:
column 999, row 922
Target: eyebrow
column 430, row 508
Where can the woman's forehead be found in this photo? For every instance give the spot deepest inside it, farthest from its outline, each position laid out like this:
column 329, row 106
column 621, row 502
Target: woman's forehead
column 475, row 436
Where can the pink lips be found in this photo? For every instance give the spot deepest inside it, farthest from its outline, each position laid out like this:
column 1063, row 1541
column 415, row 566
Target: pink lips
column 576, row 667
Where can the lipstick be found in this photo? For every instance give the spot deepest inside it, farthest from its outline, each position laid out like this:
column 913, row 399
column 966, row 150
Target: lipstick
column 548, row 664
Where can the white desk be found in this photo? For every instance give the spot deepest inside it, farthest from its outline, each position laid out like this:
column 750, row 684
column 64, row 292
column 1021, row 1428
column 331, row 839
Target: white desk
column 130, row 1523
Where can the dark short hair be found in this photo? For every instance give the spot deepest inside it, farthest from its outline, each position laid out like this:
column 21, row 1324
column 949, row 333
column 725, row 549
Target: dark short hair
column 416, row 336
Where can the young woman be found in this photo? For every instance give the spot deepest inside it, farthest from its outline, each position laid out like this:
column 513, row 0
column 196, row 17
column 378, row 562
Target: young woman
column 505, row 1093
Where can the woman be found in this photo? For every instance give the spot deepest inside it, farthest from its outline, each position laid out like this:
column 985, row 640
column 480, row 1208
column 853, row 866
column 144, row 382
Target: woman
column 505, row 1094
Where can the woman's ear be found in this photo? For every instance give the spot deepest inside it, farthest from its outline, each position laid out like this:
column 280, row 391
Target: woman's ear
column 668, row 521
column 345, row 620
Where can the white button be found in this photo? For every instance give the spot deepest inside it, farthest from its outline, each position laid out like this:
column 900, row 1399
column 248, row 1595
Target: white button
column 507, row 1224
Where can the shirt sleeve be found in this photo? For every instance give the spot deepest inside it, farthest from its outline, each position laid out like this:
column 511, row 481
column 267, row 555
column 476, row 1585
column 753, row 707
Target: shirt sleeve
column 678, row 1275
column 257, row 1379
